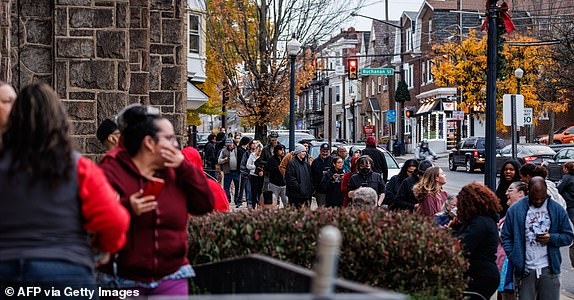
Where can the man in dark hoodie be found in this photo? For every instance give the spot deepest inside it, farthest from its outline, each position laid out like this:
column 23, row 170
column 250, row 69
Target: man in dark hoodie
column 298, row 178
column 406, row 199
column 319, row 167
column 379, row 161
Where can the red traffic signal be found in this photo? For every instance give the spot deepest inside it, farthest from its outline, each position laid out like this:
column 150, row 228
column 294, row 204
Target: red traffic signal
column 352, row 70
column 410, row 113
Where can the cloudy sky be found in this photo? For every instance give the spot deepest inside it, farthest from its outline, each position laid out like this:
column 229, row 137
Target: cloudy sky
column 376, row 9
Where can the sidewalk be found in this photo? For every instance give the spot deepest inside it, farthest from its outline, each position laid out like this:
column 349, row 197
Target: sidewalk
column 406, row 156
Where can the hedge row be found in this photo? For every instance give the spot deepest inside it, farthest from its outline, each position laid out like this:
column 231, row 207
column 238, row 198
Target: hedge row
column 398, row 251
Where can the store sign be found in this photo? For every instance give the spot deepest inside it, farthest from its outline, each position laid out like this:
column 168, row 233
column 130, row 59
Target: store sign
column 368, row 129
column 458, row 115
column 448, row 106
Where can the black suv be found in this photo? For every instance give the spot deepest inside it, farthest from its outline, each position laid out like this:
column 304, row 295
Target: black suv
column 470, row 153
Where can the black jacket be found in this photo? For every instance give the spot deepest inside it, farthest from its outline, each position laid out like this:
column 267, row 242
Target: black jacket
column 379, row 161
column 566, row 189
column 392, row 190
column 406, row 197
column 372, row 180
column 479, row 238
column 210, row 155
column 272, row 169
column 317, row 167
column 298, row 179
column 332, row 186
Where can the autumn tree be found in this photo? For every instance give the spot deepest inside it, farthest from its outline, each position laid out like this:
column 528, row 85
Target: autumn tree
column 248, row 39
column 464, row 66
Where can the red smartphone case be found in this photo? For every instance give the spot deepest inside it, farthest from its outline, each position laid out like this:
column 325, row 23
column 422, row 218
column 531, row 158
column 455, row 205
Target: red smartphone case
column 153, row 187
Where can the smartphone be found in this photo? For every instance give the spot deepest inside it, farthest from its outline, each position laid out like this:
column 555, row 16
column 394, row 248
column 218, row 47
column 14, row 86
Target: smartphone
column 153, row 187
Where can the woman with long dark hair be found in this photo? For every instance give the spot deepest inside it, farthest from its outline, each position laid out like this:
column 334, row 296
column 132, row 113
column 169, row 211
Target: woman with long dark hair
column 51, row 199
column 478, row 210
column 331, row 182
column 509, row 173
column 392, row 188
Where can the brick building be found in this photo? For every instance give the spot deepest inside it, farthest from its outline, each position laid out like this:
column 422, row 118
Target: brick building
column 99, row 56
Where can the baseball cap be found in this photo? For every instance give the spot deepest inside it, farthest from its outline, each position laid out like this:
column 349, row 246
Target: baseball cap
column 228, row 142
column 105, row 129
column 325, row 146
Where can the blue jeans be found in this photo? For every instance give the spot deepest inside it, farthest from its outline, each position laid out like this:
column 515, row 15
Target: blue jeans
column 227, row 178
column 46, row 273
column 245, row 187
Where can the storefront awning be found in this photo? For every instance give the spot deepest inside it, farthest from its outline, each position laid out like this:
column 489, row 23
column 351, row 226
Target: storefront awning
column 428, row 107
column 374, row 105
column 195, row 97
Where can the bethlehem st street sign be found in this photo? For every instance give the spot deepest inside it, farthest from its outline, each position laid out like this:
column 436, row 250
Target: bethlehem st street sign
column 377, row 71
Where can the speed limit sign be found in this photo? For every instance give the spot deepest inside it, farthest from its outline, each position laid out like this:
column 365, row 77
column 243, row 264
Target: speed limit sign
column 528, row 114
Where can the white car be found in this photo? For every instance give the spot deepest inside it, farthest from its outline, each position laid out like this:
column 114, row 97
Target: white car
column 392, row 164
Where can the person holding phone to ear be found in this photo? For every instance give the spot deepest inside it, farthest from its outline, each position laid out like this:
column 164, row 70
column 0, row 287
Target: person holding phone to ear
column 160, row 189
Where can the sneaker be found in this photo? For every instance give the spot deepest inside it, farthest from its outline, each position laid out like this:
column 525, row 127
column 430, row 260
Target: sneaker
column 238, row 206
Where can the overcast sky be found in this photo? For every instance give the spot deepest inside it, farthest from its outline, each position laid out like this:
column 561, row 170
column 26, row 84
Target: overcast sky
column 376, row 9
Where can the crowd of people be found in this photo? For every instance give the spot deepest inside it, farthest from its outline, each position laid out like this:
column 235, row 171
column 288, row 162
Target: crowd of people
column 124, row 219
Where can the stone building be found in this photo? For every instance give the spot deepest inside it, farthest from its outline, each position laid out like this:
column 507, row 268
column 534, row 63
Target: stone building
column 99, row 55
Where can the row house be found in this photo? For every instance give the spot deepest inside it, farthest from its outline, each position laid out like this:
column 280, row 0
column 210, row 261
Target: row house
column 329, row 106
column 196, row 54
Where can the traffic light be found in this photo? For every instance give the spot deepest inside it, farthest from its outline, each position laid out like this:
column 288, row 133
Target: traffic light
column 352, row 68
column 409, row 113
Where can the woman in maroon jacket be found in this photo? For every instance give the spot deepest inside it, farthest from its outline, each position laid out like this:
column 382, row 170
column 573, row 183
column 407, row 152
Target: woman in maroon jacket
column 154, row 258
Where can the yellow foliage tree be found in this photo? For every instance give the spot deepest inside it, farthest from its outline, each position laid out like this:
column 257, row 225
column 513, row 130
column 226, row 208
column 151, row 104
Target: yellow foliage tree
column 464, row 66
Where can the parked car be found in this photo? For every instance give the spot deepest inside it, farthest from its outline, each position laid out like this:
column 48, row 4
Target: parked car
column 564, row 135
column 471, row 154
column 315, row 147
column 555, row 164
column 299, row 136
column 202, row 140
column 525, row 153
column 394, row 167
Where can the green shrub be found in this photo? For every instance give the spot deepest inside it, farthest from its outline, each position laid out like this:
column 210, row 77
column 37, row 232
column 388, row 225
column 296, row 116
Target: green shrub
column 398, row 251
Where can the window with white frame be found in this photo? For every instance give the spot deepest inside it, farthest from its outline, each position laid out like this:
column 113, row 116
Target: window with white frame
column 379, row 86
column 385, row 83
column 409, row 45
column 430, row 77
column 338, row 94
column 193, row 33
column 423, row 73
column 373, row 87
column 366, row 88
column 409, row 75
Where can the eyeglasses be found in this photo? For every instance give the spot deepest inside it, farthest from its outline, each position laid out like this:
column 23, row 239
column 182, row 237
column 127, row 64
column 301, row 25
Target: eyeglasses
column 339, row 162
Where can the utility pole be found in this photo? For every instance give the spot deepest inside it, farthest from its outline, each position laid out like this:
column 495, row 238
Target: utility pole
column 492, row 56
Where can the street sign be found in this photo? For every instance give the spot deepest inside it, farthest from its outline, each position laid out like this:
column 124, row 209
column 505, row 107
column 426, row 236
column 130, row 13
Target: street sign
column 458, row 115
column 507, row 109
column 528, row 115
column 339, row 70
column 377, row 71
column 391, row 116
column 368, row 129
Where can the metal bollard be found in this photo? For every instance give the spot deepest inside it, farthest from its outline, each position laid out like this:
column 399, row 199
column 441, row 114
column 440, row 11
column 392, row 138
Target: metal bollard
column 327, row 262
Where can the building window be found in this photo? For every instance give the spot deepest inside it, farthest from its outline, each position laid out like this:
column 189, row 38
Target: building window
column 430, row 65
column 193, row 32
column 409, row 40
column 373, row 86
column 385, row 83
column 423, row 73
column 338, row 94
column 367, row 88
column 379, row 86
column 409, row 75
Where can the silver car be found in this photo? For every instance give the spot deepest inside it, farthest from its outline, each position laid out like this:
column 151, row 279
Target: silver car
column 392, row 164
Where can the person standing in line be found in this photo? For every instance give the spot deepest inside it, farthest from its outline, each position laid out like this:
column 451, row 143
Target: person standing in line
column 406, row 199
column 516, row 191
column 7, row 98
column 276, row 180
column 255, row 174
column 365, row 198
column 229, row 161
column 509, row 173
column 346, row 179
column 210, row 156
column 379, row 160
column 392, row 187
column 343, row 153
column 319, row 167
column 566, row 189
column 108, row 134
column 244, row 186
column 298, row 179
column 534, row 230
column 478, row 211
column 365, row 177
column 527, row 171
column 429, row 192
column 331, row 183
column 154, row 260
column 52, row 200
column 289, row 156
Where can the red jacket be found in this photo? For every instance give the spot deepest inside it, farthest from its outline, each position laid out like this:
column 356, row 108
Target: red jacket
column 157, row 241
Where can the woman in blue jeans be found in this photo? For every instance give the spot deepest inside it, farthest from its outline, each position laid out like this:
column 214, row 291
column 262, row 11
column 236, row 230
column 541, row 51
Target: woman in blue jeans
column 566, row 189
column 51, row 199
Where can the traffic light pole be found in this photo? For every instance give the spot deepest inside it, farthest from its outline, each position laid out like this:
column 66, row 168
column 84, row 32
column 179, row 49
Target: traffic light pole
column 492, row 55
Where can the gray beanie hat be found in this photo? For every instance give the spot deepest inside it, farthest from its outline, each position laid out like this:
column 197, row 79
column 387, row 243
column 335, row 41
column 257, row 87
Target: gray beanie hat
column 299, row 148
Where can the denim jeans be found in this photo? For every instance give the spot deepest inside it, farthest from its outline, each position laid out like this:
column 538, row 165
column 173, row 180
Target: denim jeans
column 47, row 274
column 245, row 186
column 227, row 178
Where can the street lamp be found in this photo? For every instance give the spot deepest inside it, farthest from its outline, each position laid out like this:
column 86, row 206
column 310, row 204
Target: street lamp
column 293, row 47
